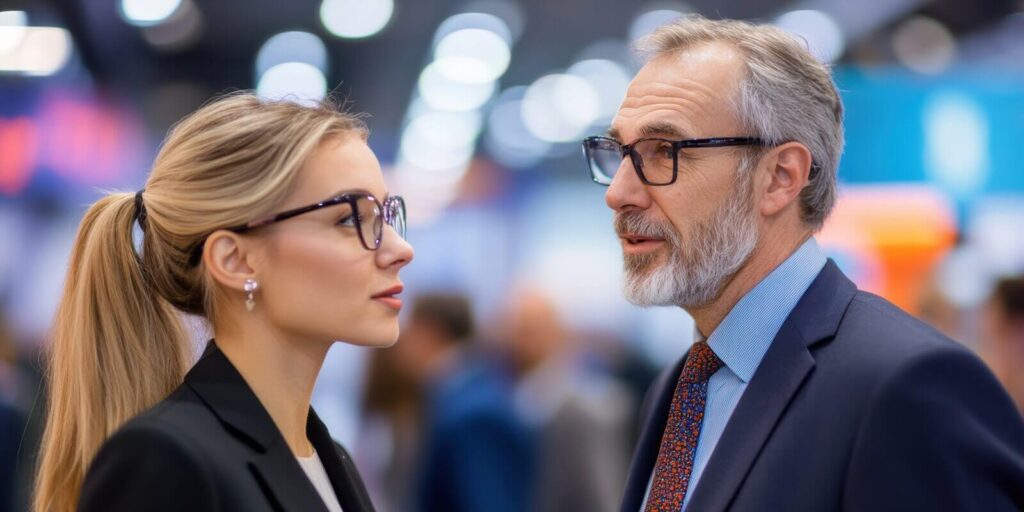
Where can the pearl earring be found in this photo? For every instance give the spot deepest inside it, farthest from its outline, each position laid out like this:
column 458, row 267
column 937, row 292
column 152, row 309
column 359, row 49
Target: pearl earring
column 250, row 286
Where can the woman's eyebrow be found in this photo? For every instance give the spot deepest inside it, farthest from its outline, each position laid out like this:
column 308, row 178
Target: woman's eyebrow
column 348, row 191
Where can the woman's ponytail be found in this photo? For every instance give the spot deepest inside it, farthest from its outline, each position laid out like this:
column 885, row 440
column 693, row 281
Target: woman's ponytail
column 116, row 349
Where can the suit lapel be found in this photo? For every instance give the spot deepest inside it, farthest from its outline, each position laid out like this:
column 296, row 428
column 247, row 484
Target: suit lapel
column 339, row 467
column 777, row 380
column 219, row 385
column 646, row 452
column 284, row 481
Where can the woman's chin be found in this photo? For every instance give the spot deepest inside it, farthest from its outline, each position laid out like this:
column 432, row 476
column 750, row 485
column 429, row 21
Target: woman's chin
column 373, row 340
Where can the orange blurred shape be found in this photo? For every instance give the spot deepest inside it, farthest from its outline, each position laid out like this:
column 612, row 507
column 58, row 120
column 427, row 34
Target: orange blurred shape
column 903, row 229
column 19, row 141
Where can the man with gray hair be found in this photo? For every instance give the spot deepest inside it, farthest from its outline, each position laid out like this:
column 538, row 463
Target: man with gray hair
column 800, row 392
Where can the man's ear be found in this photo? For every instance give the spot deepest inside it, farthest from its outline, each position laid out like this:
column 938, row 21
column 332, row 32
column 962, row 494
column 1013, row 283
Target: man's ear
column 226, row 256
column 789, row 167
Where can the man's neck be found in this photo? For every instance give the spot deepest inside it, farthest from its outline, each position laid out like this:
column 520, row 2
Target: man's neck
column 767, row 256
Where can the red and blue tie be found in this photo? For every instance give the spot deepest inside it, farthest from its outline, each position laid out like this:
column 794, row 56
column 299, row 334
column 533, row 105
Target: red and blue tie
column 679, row 441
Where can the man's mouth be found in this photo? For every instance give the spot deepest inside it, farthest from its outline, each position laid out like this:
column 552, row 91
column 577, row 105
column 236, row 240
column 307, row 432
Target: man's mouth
column 633, row 243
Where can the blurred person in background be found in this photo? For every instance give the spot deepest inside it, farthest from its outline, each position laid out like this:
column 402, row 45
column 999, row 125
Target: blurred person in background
column 1002, row 341
column 581, row 413
column 478, row 452
column 800, row 392
column 12, row 422
column 271, row 220
column 20, row 426
column 390, row 428
column 936, row 309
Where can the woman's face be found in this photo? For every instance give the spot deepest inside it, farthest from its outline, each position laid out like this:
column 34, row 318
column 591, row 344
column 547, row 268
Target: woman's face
column 316, row 279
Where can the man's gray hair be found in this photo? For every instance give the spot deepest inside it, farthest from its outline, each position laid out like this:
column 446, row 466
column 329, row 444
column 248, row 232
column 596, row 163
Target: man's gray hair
column 786, row 95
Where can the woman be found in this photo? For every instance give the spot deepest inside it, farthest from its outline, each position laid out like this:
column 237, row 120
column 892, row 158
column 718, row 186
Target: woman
column 270, row 220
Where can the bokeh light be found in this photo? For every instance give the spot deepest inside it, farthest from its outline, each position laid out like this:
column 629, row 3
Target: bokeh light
column 39, row 51
column 12, row 29
column 473, row 55
column 441, row 92
column 297, row 81
column 956, row 143
column 356, row 19
column 924, row 45
column 560, row 107
column 292, row 46
column 508, row 139
column 656, row 15
column 144, row 13
column 823, row 36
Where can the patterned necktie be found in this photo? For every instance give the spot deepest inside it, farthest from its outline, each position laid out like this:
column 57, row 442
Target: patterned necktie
column 679, row 441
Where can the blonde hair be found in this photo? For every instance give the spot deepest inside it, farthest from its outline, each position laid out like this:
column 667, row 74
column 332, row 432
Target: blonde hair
column 786, row 95
column 118, row 345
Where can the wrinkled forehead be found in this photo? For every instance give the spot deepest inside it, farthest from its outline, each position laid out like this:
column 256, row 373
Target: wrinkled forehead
column 686, row 94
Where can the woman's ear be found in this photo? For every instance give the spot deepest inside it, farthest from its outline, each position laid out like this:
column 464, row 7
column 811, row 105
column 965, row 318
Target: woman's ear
column 226, row 256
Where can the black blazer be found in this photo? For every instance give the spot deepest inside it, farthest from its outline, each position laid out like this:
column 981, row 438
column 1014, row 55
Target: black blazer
column 855, row 406
column 211, row 446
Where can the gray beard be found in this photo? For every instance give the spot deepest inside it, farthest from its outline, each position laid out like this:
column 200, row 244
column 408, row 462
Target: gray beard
column 696, row 272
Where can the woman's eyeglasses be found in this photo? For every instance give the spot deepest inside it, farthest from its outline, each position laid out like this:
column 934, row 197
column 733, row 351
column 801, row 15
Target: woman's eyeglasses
column 364, row 211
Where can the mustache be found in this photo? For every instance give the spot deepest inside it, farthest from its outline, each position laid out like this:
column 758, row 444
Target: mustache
column 638, row 224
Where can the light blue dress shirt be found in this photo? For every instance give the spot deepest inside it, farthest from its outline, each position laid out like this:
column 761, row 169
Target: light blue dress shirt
column 741, row 341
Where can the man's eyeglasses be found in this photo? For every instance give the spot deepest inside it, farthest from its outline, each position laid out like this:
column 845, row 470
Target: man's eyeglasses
column 656, row 161
column 363, row 211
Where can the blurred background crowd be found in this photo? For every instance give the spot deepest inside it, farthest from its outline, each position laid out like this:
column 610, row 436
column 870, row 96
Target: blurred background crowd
column 521, row 368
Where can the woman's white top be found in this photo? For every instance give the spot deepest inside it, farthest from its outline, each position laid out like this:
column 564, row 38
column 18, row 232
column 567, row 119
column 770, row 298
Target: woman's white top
column 314, row 469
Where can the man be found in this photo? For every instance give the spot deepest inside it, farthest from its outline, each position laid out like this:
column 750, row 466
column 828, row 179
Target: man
column 800, row 392
column 582, row 415
column 479, row 453
column 1002, row 341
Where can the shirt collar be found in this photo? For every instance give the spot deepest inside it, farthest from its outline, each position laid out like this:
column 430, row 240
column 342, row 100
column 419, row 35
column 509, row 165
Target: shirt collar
column 745, row 334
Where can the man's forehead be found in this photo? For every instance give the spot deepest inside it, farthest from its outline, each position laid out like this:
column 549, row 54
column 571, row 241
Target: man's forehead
column 676, row 94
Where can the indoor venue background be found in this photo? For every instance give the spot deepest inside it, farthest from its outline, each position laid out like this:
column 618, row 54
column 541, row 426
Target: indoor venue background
column 477, row 110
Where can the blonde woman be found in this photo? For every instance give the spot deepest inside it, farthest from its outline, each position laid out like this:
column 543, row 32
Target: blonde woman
column 271, row 220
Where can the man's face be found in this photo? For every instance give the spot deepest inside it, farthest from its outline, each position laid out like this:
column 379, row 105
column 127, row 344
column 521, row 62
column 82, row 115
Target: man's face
column 683, row 242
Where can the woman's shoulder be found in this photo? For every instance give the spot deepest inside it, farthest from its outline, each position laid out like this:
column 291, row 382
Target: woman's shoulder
column 182, row 411
column 149, row 460
column 168, row 429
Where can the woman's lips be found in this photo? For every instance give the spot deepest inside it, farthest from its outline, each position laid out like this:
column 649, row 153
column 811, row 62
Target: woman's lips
column 389, row 297
column 391, row 302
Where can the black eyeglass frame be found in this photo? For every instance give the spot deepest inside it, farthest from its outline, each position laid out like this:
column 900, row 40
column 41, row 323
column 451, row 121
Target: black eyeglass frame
column 601, row 178
column 388, row 207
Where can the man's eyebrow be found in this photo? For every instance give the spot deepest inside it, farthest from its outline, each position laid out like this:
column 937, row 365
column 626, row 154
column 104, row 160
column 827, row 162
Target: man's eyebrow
column 613, row 133
column 662, row 129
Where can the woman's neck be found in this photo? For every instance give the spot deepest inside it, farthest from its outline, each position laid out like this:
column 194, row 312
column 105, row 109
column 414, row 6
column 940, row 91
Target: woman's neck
column 281, row 372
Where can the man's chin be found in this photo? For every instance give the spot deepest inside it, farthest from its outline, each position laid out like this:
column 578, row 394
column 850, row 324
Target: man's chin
column 646, row 287
column 641, row 265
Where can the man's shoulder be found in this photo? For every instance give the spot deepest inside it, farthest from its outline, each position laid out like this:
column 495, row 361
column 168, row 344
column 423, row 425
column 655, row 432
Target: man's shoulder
column 877, row 340
column 877, row 325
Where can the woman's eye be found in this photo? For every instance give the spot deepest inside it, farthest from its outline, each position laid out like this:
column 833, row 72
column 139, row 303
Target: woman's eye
column 348, row 220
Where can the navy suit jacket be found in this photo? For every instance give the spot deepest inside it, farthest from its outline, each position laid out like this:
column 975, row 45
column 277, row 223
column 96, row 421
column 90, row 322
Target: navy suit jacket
column 855, row 406
column 479, row 455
